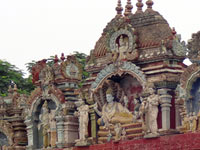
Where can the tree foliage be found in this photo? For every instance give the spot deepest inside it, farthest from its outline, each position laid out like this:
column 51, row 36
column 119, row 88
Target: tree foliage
column 10, row 73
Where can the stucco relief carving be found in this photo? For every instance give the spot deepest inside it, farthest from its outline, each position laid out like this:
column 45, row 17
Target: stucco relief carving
column 117, row 69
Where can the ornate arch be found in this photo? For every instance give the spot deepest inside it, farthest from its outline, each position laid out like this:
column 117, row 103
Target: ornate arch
column 7, row 129
column 119, row 69
column 189, row 77
column 37, row 102
column 56, row 96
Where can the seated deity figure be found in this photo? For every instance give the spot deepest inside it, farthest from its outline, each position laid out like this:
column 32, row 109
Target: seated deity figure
column 123, row 47
column 113, row 112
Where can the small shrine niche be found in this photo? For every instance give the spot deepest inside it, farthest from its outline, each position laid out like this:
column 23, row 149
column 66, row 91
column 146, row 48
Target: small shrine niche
column 125, row 88
column 193, row 102
column 44, row 119
column 122, row 41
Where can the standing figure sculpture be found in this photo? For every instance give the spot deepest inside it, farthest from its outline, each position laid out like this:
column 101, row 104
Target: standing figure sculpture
column 45, row 124
column 82, row 114
column 152, row 113
column 113, row 112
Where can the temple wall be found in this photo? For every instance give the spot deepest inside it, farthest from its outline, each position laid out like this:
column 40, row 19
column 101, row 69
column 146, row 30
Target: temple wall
column 176, row 142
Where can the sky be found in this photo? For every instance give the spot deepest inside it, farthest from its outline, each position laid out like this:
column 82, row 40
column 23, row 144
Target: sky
column 37, row 29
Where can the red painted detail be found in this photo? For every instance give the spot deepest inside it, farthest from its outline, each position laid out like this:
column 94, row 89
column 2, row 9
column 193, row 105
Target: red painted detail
column 159, row 118
column 171, row 142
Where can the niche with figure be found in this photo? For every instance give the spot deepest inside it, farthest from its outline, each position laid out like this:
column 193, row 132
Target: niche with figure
column 45, row 125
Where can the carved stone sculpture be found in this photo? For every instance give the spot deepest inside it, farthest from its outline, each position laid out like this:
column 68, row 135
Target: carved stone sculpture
column 45, row 124
column 82, row 114
column 122, row 48
column 113, row 112
column 152, row 113
column 118, row 132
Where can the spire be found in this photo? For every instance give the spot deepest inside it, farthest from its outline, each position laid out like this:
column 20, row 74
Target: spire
column 56, row 59
column 129, row 8
column 119, row 8
column 149, row 4
column 62, row 57
column 139, row 6
column 173, row 31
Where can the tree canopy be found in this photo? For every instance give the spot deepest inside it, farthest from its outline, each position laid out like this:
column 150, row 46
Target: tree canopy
column 10, row 73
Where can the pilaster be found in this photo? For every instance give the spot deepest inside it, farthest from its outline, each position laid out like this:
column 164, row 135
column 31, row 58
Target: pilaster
column 29, row 130
column 60, row 131
column 165, row 101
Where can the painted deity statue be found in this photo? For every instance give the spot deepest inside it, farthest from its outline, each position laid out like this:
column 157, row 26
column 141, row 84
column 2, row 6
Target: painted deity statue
column 45, row 124
column 113, row 112
column 152, row 113
column 82, row 114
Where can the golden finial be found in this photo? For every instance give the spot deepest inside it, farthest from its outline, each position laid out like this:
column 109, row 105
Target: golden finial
column 119, row 8
column 129, row 8
column 139, row 6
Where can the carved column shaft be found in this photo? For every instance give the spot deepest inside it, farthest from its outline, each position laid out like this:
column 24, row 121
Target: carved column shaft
column 60, row 131
column 29, row 130
column 70, row 130
column 178, row 117
column 93, row 124
column 165, row 100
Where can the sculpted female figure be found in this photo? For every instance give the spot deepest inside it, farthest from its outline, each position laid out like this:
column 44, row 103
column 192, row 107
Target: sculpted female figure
column 152, row 112
column 113, row 112
column 45, row 124
column 82, row 113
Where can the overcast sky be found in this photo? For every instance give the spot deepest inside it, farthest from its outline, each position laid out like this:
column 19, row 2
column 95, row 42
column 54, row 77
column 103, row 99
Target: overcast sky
column 36, row 29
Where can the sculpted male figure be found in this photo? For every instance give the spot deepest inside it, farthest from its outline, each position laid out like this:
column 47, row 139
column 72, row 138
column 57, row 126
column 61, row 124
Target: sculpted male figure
column 113, row 112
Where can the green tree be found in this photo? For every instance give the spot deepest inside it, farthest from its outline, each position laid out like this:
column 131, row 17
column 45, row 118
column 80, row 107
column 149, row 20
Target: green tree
column 10, row 73
column 81, row 57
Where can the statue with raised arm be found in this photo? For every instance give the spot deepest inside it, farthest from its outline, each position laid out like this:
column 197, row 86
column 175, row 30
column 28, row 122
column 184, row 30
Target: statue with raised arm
column 82, row 114
column 113, row 112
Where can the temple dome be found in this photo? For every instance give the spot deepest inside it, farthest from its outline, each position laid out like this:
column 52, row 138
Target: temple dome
column 150, row 28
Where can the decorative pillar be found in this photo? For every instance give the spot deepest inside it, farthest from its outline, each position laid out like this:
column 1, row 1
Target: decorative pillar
column 165, row 100
column 60, row 131
column 29, row 130
column 71, row 131
column 178, row 117
column 19, row 127
column 93, row 124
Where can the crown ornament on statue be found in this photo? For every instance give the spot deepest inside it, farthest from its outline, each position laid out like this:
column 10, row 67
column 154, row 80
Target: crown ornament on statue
column 109, row 91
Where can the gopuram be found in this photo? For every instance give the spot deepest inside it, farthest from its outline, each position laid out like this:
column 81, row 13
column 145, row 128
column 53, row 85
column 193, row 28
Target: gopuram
column 139, row 95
